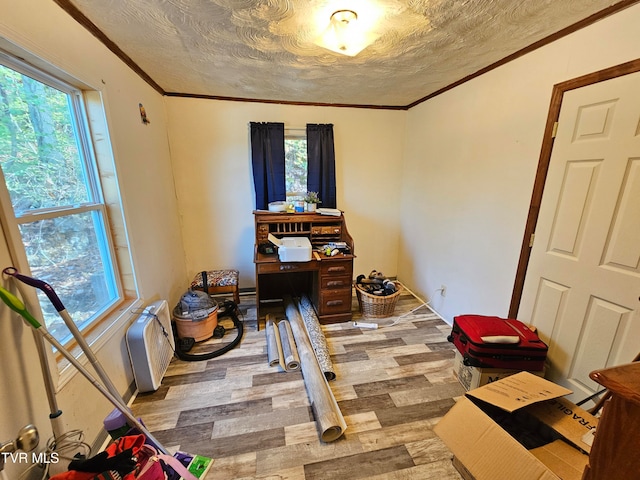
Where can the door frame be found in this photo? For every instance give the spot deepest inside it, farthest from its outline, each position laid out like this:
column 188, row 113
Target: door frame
column 557, row 95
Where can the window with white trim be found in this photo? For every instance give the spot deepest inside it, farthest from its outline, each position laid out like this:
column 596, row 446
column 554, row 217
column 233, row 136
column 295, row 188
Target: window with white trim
column 51, row 175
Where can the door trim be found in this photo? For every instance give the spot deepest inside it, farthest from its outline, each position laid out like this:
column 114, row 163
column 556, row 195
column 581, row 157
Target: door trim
column 543, row 165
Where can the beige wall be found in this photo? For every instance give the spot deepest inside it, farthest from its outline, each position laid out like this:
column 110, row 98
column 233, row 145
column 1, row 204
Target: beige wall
column 144, row 172
column 210, row 151
column 471, row 156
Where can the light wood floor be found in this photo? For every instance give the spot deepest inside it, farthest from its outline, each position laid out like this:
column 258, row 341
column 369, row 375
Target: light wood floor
column 393, row 385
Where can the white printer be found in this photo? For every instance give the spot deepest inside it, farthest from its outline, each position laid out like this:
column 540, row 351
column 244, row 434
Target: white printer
column 292, row 249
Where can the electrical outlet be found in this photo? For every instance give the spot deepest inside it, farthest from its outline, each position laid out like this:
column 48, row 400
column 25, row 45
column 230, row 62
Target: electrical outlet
column 443, row 290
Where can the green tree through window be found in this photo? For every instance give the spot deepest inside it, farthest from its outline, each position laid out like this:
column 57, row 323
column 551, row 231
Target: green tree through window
column 295, row 157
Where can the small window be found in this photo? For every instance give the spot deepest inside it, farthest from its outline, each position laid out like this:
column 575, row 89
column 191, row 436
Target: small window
column 51, row 176
column 295, row 154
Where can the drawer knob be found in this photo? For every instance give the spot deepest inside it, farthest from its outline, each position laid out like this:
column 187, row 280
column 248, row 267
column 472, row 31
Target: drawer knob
column 333, row 303
column 288, row 267
column 336, row 269
column 335, row 283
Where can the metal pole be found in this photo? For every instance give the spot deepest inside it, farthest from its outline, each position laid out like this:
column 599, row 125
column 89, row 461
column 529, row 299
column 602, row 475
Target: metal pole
column 16, row 305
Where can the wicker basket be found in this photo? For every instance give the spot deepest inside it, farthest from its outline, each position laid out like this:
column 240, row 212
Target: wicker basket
column 377, row 306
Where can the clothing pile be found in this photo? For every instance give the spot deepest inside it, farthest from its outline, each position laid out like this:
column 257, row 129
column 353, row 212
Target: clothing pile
column 376, row 284
column 131, row 458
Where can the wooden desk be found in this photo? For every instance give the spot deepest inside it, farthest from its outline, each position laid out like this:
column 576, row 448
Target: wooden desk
column 326, row 280
column 614, row 454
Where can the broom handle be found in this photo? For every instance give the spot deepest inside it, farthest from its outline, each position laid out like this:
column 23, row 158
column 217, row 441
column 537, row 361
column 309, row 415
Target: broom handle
column 71, row 325
column 15, row 304
column 55, row 414
column 116, row 401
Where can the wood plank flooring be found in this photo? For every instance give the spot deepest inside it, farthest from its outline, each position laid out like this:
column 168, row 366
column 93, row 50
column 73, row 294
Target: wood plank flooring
column 393, row 384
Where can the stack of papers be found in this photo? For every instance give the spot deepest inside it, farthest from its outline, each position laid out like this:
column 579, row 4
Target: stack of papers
column 329, row 211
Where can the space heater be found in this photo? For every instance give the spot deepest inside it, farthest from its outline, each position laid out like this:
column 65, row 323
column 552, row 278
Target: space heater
column 151, row 346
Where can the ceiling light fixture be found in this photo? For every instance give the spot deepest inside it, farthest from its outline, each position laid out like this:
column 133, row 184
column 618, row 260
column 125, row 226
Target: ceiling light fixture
column 344, row 34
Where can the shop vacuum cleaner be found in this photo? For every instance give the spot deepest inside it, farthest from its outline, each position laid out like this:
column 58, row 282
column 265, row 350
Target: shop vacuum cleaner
column 196, row 320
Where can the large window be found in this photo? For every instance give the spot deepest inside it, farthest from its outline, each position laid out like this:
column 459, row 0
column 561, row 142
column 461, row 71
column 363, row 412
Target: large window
column 51, row 176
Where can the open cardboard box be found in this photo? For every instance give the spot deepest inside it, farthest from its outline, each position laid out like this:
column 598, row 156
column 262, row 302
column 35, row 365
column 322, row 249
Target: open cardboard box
column 554, row 435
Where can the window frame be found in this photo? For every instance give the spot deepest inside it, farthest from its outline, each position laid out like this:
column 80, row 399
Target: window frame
column 84, row 105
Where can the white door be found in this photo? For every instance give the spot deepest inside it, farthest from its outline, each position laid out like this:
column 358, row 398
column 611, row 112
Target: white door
column 582, row 287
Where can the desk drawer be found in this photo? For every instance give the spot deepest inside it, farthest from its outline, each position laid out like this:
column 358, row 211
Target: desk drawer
column 335, row 301
column 284, row 267
column 326, row 230
column 336, row 267
column 333, row 282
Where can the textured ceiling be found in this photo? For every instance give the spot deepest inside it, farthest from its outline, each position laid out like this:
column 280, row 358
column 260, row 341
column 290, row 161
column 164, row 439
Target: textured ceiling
column 265, row 50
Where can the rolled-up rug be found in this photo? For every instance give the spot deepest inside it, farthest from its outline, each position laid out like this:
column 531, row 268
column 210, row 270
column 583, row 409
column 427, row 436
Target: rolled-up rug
column 274, row 350
column 290, row 356
column 316, row 336
column 329, row 420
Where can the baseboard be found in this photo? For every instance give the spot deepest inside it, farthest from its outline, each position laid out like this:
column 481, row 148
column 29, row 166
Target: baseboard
column 427, row 303
column 439, row 316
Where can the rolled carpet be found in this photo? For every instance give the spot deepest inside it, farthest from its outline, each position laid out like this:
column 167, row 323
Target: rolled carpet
column 290, row 356
column 329, row 420
column 274, row 350
column 316, row 336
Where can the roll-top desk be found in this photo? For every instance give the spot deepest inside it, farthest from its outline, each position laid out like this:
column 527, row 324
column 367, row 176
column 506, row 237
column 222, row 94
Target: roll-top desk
column 327, row 280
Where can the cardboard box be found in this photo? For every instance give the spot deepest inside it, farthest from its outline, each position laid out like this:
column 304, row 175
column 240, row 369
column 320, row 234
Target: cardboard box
column 481, row 430
column 474, row 377
column 292, row 249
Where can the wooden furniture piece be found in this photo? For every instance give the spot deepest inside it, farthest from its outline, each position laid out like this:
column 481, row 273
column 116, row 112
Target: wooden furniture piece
column 599, row 404
column 218, row 281
column 614, row 453
column 327, row 280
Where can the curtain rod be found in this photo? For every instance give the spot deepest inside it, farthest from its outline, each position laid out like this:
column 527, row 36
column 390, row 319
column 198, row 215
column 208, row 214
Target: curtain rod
column 304, row 128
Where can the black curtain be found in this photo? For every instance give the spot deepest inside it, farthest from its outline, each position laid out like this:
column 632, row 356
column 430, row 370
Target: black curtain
column 321, row 166
column 267, row 159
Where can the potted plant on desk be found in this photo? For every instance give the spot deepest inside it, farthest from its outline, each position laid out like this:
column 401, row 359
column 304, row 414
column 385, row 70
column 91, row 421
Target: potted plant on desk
column 312, row 200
